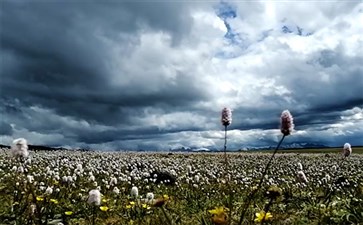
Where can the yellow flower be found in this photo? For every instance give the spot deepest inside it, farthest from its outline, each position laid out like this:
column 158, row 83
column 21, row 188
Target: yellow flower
column 104, row 200
column 68, row 213
column 128, row 206
column 262, row 216
column 219, row 215
column 132, row 203
column 39, row 198
column 55, row 201
column 166, row 197
column 218, row 211
column 104, row 208
column 146, row 206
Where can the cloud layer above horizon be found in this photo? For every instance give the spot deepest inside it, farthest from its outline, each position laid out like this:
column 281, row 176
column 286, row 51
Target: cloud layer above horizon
column 156, row 75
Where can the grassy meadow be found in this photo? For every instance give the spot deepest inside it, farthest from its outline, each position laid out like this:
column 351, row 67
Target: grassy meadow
column 188, row 188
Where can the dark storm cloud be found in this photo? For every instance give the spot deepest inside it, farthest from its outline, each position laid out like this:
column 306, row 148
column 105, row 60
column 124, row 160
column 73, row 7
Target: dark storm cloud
column 53, row 58
column 5, row 128
column 255, row 118
column 315, row 117
column 336, row 106
column 343, row 86
column 144, row 133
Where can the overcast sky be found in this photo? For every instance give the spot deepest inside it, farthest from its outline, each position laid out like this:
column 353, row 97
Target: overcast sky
column 156, row 74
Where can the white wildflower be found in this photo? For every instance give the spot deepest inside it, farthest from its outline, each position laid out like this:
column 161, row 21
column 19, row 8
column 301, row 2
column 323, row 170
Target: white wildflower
column 134, row 192
column 19, row 148
column 94, row 197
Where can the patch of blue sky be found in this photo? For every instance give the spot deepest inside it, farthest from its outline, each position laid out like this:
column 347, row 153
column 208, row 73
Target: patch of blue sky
column 285, row 29
column 236, row 45
column 232, row 36
column 236, row 41
column 228, row 54
column 225, row 11
column 295, row 30
column 289, row 27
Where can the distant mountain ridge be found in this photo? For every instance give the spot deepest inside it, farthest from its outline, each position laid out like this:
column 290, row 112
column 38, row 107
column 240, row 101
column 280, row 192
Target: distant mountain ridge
column 285, row 146
column 292, row 146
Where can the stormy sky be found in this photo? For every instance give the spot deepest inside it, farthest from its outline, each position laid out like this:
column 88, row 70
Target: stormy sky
column 156, row 74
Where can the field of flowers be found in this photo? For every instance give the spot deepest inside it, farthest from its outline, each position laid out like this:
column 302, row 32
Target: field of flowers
column 71, row 187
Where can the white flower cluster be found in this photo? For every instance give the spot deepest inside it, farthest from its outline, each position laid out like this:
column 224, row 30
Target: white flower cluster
column 19, row 148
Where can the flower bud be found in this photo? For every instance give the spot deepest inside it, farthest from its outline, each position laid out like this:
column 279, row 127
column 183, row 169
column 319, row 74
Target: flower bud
column 226, row 117
column 287, row 123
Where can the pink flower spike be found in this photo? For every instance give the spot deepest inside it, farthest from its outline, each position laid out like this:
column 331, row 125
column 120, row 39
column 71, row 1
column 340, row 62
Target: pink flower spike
column 287, row 123
column 226, row 117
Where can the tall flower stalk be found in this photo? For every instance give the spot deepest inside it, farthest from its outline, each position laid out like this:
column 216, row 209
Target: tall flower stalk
column 94, row 199
column 226, row 121
column 286, row 128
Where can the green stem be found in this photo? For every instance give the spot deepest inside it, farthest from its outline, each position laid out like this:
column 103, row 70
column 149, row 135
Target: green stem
column 225, row 175
column 267, row 207
column 247, row 204
column 93, row 214
column 45, row 211
column 225, row 143
column 166, row 215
